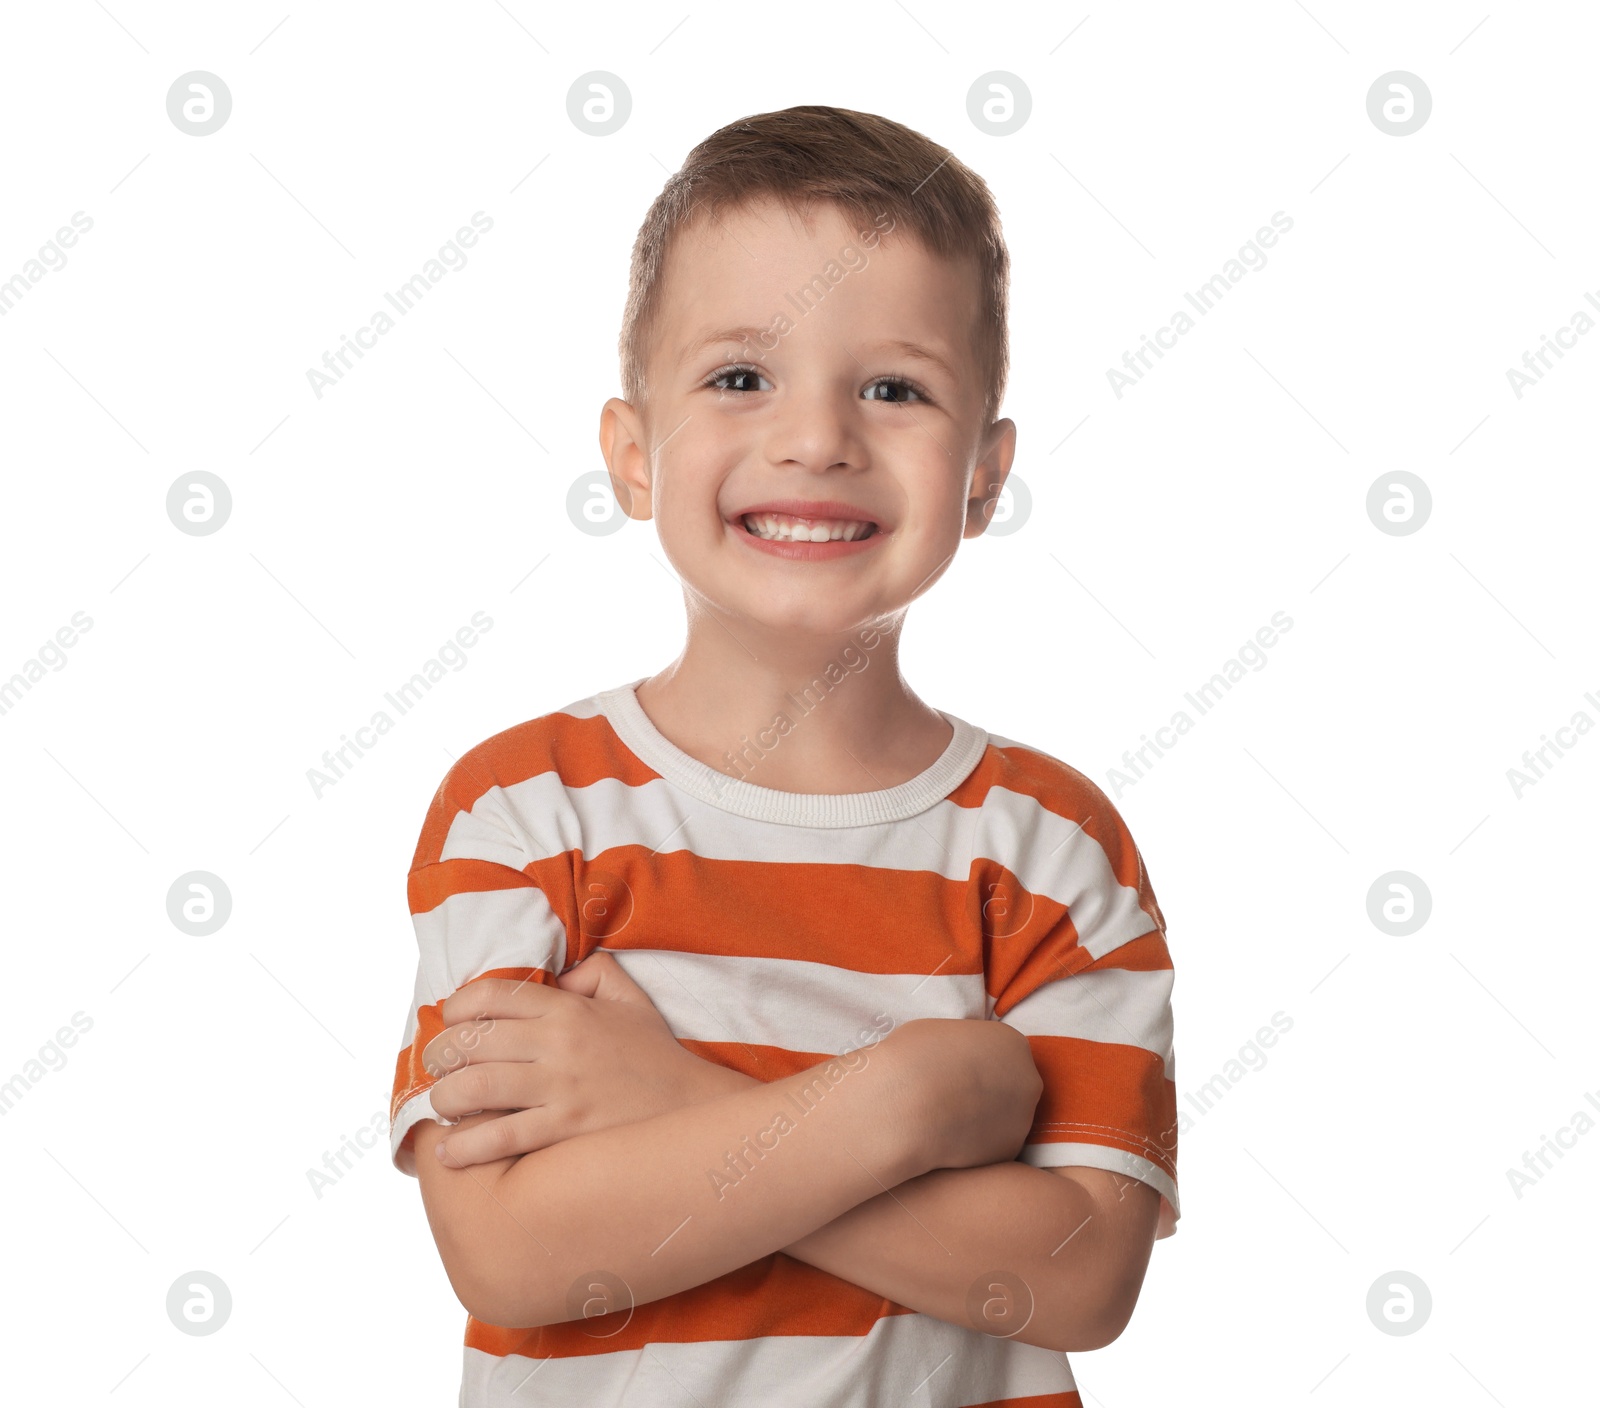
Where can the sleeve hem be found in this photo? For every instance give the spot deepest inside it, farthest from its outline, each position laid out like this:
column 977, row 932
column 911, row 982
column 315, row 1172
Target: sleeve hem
column 411, row 1112
column 1059, row 1155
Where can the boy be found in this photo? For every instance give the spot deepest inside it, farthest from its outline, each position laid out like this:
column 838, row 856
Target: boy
column 778, row 1038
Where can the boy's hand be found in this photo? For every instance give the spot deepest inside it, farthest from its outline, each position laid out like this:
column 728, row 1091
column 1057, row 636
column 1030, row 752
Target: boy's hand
column 588, row 1054
column 977, row 1087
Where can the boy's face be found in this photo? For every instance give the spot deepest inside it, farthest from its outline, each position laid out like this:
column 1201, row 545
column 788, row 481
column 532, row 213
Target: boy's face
column 816, row 413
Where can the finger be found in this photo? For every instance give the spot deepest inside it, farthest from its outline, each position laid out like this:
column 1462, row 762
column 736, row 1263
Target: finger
column 601, row 976
column 519, row 1133
column 497, row 1085
column 496, row 997
column 482, row 1039
column 582, row 978
column 455, row 1046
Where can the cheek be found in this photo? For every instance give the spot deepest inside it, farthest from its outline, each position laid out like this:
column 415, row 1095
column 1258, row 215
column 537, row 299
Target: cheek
column 945, row 498
column 686, row 499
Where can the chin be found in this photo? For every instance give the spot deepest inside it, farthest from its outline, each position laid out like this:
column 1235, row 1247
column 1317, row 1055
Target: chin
column 801, row 618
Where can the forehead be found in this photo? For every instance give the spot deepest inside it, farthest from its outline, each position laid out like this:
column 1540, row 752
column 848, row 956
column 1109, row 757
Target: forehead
column 746, row 266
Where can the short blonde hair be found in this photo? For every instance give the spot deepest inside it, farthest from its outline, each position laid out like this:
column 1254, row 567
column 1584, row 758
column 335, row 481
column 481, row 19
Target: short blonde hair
column 863, row 164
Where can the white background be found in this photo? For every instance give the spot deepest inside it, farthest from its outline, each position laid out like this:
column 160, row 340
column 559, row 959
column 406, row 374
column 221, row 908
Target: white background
column 369, row 525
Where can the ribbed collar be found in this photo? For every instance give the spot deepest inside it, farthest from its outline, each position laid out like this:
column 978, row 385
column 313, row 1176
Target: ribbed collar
column 627, row 717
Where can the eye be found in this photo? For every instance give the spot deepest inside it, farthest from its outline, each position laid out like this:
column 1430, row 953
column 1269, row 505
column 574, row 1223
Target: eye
column 724, row 374
column 900, row 383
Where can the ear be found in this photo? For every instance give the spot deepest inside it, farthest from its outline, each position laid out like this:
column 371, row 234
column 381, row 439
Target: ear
column 989, row 476
column 623, row 441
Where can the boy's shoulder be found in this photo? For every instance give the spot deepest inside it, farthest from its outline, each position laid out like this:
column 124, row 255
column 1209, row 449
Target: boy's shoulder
column 517, row 780
column 1050, row 781
column 1061, row 810
column 573, row 745
column 1041, row 802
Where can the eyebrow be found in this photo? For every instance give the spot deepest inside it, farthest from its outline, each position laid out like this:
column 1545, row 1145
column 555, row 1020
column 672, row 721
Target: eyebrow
column 921, row 353
column 749, row 334
column 746, row 334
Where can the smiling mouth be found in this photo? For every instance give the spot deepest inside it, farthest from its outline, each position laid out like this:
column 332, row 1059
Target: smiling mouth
column 788, row 528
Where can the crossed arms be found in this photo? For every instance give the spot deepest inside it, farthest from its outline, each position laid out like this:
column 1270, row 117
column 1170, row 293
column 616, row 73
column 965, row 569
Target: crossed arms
column 896, row 1172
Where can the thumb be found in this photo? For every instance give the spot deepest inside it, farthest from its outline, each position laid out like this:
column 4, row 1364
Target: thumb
column 601, row 976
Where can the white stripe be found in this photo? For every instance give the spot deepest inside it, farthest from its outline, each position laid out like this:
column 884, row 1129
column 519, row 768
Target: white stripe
column 1058, row 859
column 790, row 1003
column 1051, row 857
column 1112, row 1005
column 904, row 1359
column 656, row 815
column 1113, row 1161
column 484, row 834
column 478, row 930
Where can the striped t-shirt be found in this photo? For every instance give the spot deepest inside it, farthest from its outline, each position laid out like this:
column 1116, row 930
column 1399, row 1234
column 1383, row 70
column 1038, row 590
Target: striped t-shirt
column 999, row 883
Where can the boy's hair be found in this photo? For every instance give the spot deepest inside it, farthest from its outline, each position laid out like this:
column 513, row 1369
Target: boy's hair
column 865, row 165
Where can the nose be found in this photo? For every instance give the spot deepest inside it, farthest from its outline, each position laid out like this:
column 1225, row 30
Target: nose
column 816, row 427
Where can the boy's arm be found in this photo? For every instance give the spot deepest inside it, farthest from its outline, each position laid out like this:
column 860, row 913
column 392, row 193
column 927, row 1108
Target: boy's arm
column 1053, row 1257
column 660, row 1205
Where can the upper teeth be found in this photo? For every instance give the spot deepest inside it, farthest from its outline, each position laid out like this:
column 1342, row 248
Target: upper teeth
column 805, row 530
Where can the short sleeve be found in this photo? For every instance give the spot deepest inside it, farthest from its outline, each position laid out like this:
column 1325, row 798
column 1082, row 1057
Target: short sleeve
column 477, row 912
column 1087, row 978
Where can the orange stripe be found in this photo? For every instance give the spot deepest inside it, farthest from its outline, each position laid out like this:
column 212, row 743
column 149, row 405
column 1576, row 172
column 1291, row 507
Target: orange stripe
column 430, row 887
column 1099, row 1093
column 1047, row 951
column 738, row 908
column 580, row 751
column 1043, row 950
column 1067, row 1399
column 1146, row 954
column 757, row 909
column 765, row 1063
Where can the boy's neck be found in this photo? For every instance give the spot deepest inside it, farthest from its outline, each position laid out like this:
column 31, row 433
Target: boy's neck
column 853, row 723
